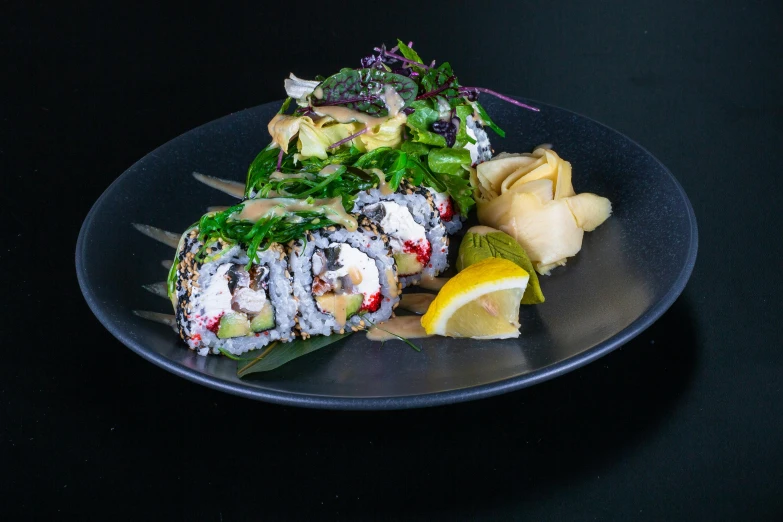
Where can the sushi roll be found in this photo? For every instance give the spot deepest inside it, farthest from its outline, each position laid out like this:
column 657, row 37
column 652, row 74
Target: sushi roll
column 222, row 303
column 447, row 211
column 342, row 278
column 412, row 222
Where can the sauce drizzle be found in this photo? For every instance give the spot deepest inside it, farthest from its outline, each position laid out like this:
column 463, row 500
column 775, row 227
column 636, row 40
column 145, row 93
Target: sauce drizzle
column 433, row 283
column 408, row 327
column 164, row 236
column 232, row 188
column 346, row 115
column 416, row 303
column 159, row 289
column 333, row 209
column 166, row 319
column 383, row 187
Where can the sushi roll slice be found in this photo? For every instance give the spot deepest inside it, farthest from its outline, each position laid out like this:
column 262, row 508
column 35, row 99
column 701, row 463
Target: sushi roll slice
column 416, row 232
column 447, row 210
column 222, row 303
column 342, row 278
column 482, row 149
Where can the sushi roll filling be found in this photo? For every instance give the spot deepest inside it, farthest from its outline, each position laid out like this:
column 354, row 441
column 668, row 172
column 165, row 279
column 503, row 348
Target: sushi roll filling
column 408, row 239
column 345, row 281
column 235, row 303
column 444, row 204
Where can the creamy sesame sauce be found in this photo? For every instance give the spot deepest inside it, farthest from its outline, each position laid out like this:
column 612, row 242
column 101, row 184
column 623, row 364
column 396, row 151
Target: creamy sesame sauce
column 416, row 303
column 158, row 234
column 383, row 187
column 391, row 280
column 279, row 176
column 232, row 188
column 167, row 319
column 408, row 327
column 329, row 169
column 346, row 115
column 390, row 97
column 256, row 209
column 160, row 289
column 433, row 283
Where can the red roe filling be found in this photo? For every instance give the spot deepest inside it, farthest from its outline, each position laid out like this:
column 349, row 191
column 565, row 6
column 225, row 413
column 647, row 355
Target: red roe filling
column 214, row 323
column 446, row 210
column 422, row 249
column 372, row 303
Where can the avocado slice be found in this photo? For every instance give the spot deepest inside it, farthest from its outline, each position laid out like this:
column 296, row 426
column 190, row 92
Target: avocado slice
column 407, row 264
column 233, row 324
column 329, row 302
column 265, row 320
column 354, row 304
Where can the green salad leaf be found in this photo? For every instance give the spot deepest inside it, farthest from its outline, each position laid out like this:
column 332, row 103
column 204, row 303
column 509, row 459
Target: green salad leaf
column 427, row 137
column 303, row 181
column 448, row 161
column 459, row 189
column 410, row 54
column 284, row 106
column 423, row 116
column 390, row 161
column 463, row 138
column 491, row 124
column 415, row 149
column 261, row 234
column 441, row 81
column 264, row 164
column 343, row 157
column 420, row 123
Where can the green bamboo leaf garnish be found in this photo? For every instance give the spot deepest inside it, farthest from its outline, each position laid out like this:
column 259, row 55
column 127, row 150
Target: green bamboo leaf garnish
column 277, row 354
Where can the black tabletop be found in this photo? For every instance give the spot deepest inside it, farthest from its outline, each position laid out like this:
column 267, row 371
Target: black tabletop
column 683, row 423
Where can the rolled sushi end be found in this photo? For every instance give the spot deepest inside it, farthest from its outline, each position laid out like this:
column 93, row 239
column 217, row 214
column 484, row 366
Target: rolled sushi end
column 425, row 255
column 447, row 211
column 408, row 240
column 221, row 304
column 345, row 282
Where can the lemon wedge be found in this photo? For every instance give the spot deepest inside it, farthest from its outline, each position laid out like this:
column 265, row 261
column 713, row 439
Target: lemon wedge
column 481, row 302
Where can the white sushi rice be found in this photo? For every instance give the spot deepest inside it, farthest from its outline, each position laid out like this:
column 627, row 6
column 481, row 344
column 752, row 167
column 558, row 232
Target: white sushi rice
column 482, row 149
column 441, row 199
column 207, row 300
column 424, row 213
column 312, row 321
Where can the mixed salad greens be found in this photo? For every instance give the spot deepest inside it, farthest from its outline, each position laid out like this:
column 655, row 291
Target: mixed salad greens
column 395, row 113
column 395, row 117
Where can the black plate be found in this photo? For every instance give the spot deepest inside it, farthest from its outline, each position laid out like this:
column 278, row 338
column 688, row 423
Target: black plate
column 630, row 270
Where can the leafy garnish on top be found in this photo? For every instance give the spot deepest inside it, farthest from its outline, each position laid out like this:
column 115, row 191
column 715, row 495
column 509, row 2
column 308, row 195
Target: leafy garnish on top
column 275, row 227
column 416, row 125
column 363, row 90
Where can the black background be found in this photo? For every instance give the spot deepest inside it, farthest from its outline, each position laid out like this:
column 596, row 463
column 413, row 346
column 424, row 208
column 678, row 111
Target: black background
column 683, row 423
